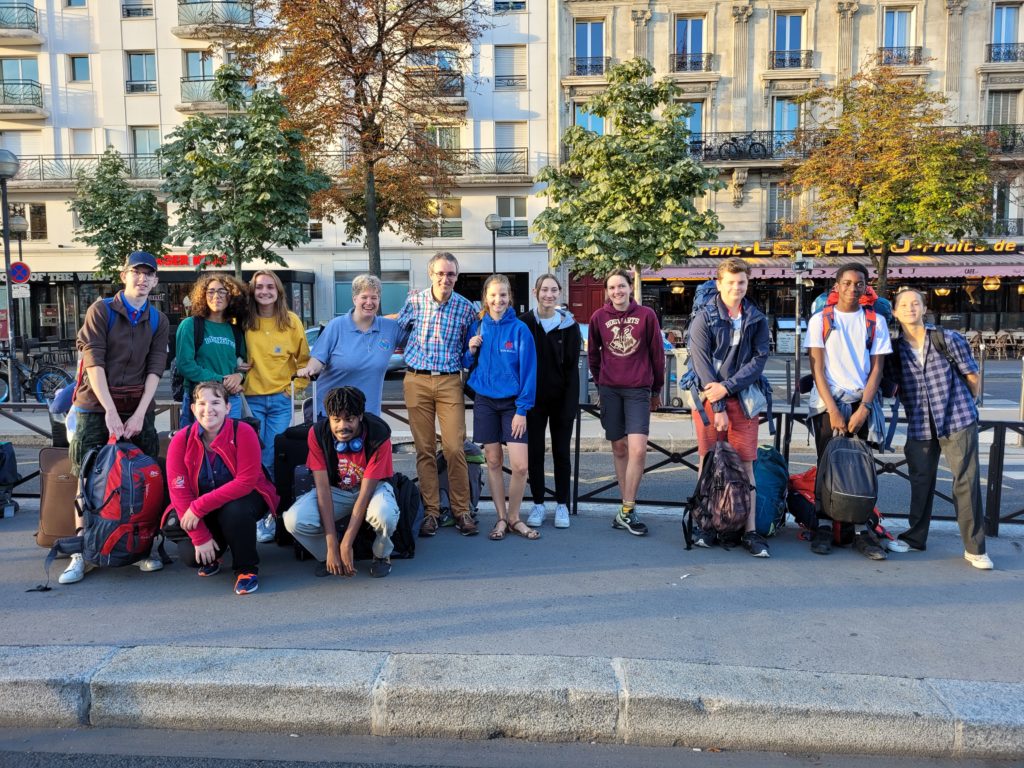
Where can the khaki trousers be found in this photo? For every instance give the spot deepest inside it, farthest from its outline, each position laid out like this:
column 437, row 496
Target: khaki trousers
column 439, row 397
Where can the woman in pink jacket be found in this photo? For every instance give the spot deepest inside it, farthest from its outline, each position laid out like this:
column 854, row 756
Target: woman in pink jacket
column 218, row 489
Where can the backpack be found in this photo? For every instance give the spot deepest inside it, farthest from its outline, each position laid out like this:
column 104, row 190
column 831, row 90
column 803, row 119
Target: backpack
column 704, row 300
column 873, row 304
column 847, row 485
column 474, row 464
column 410, row 505
column 121, row 497
column 9, row 478
column 198, row 334
column 771, row 476
column 721, row 499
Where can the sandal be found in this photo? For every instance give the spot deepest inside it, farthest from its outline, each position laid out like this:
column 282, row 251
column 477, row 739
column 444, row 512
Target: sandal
column 498, row 533
column 519, row 528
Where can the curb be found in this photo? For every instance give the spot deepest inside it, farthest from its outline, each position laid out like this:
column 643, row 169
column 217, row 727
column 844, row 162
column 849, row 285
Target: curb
column 536, row 698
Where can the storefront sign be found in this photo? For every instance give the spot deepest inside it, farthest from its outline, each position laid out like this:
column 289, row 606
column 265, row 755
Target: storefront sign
column 849, row 248
column 191, row 260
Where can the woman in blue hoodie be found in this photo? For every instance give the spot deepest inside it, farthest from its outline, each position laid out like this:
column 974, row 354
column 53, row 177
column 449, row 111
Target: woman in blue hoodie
column 502, row 362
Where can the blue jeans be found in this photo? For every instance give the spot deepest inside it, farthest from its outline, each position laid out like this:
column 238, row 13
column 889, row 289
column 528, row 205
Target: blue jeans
column 275, row 415
column 186, row 419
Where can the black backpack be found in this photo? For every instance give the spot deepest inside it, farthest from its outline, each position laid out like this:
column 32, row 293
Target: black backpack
column 410, row 515
column 847, row 486
column 198, row 334
column 721, row 499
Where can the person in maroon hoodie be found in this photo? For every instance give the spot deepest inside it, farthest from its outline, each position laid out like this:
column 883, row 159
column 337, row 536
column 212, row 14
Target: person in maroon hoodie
column 628, row 363
column 218, row 488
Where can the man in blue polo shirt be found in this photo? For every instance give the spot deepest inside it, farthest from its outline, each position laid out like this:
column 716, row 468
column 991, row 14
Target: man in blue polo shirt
column 438, row 321
column 941, row 417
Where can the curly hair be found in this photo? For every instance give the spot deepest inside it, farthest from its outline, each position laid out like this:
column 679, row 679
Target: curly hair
column 345, row 400
column 238, row 297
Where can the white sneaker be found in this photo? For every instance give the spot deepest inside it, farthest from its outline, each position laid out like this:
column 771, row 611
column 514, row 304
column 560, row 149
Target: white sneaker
column 896, row 545
column 537, row 514
column 75, row 572
column 266, row 529
column 561, row 516
column 981, row 562
column 149, row 564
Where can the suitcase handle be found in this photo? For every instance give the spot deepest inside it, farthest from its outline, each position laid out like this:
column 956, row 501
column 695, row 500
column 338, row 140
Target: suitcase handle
column 312, row 379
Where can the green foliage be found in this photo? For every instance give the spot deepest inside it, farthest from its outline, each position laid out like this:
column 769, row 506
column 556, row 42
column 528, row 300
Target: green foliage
column 114, row 217
column 238, row 179
column 627, row 199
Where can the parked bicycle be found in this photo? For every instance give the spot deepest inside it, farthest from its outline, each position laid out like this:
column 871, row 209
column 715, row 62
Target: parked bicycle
column 38, row 381
column 742, row 147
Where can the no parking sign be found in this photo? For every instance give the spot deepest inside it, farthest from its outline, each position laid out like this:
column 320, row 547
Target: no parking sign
column 20, row 273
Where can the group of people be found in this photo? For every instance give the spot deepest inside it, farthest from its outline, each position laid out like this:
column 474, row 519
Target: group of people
column 241, row 349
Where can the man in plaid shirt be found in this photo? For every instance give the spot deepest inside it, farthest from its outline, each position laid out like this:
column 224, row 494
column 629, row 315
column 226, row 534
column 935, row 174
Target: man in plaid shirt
column 941, row 416
column 438, row 320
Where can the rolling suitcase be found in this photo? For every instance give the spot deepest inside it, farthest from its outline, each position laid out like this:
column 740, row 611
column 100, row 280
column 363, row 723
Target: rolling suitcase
column 58, row 488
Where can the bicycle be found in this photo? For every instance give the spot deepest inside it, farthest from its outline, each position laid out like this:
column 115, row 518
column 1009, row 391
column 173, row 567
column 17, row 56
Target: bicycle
column 742, row 147
column 39, row 381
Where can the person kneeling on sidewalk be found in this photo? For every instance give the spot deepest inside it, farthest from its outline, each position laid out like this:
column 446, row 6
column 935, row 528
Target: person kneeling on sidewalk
column 355, row 482
column 218, row 488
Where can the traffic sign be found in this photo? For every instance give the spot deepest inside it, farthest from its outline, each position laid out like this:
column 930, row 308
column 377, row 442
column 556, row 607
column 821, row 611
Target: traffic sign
column 21, row 291
column 20, row 272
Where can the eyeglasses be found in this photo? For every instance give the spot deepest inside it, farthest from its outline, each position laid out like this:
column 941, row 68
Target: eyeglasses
column 146, row 273
column 217, row 293
column 447, row 275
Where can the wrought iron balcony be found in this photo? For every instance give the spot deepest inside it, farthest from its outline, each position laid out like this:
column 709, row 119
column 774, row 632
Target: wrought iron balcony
column 197, row 89
column 690, row 62
column 204, row 13
column 140, row 86
column 903, row 56
column 754, row 145
column 442, row 228
column 589, row 66
column 509, row 82
column 513, row 229
column 19, row 16
column 1005, row 228
column 1004, row 52
column 509, row 6
column 26, row 93
column 70, row 167
column 136, row 10
column 790, row 59
column 1005, row 139
column 489, row 162
column 436, row 82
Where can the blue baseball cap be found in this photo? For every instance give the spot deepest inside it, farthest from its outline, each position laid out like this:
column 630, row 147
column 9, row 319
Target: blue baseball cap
column 142, row 259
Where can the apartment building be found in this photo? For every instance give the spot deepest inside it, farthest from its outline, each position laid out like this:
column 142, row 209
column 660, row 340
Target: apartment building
column 741, row 64
column 81, row 75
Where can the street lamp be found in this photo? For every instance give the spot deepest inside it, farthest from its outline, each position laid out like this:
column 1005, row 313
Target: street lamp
column 493, row 222
column 8, row 170
column 19, row 228
column 800, row 266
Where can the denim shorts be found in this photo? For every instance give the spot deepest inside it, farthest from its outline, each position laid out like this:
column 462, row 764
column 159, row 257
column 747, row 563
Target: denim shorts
column 625, row 411
column 492, row 420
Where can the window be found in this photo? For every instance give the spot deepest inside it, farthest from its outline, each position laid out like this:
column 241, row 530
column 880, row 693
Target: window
column 788, row 45
column 509, row 67
column 513, row 217
column 786, row 115
column 780, row 209
column 689, row 49
column 78, row 69
column 75, row 3
column 35, row 214
column 588, row 120
column 589, row 49
column 315, row 228
column 394, row 290
column 19, row 69
column 145, row 140
column 137, row 9
column 509, row 6
column 510, row 136
column 81, row 141
column 141, row 72
column 1002, row 108
column 695, row 122
column 1004, row 24
column 445, row 221
column 897, row 28
column 444, row 136
column 435, row 59
column 198, row 65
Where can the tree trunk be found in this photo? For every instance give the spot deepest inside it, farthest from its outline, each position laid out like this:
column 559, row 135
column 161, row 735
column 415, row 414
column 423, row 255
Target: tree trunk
column 237, row 259
column 372, row 227
column 638, row 286
column 882, row 267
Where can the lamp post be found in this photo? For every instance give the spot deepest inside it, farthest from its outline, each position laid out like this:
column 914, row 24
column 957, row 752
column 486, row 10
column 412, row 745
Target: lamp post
column 8, row 170
column 800, row 266
column 493, row 222
column 19, row 228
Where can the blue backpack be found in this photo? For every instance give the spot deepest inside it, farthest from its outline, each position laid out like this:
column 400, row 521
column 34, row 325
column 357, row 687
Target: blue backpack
column 771, row 477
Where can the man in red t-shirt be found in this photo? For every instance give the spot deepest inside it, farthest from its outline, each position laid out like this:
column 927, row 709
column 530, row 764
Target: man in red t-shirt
column 350, row 457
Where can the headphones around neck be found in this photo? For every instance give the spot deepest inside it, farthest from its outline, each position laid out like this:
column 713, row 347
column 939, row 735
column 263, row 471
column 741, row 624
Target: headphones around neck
column 344, row 446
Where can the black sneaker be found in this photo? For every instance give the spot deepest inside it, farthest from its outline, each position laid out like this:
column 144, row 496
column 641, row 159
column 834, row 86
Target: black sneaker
column 380, row 568
column 821, row 544
column 868, row 545
column 628, row 521
column 755, row 544
column 706, row 539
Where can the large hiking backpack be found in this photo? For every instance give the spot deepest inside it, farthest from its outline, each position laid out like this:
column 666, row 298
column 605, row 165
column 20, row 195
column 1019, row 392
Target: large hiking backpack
column 771, row 476
column 121, row 498
column 873, row 304
column 721, row 499
column 847, row 485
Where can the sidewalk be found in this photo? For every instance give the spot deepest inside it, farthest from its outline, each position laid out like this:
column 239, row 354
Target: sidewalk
column 587, row 634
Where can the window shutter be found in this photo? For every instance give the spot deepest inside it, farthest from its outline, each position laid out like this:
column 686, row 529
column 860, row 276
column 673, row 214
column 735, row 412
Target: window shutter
column 1002, row 107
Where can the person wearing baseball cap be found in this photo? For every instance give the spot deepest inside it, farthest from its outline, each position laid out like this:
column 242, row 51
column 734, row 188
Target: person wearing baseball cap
column 141, row 259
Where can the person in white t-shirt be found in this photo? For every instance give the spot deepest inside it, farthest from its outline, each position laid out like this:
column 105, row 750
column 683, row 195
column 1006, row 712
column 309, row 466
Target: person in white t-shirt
column 847, row 367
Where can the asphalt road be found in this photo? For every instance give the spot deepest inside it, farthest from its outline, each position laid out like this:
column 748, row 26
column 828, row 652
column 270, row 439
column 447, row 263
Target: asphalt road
column 122, row 748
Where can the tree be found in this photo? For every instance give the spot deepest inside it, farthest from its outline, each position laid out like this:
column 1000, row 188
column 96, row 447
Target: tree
column 114, row 217
column 238, row 179
column 369, row 79
column 882, row 168
column 627, row 199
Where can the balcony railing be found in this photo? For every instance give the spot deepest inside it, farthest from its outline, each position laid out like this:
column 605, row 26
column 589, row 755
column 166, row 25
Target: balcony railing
column 27, row 93
column 436, row 82
column 140, row 86
column 1004, row 52
column 690, row 62
column 136, row 10
column 790, row 59
column 70, row 167
column 464, row 162
column 753, row 145
column 589, row 66
column 197, row 88
column 514, row 229
column 1005, row 228
column 509, row 82
column 192, row 12
column 509, row 6
column 903, row 56
column 19, row 16
column 444, row 228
